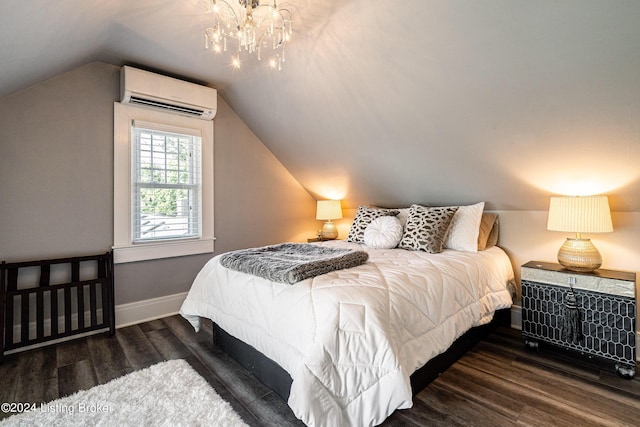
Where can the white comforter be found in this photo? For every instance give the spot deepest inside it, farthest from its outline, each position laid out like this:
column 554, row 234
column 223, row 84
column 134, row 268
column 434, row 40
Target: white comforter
column 350, row 339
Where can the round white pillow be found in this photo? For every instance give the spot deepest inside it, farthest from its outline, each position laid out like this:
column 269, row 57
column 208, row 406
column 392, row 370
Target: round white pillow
column 383, row 233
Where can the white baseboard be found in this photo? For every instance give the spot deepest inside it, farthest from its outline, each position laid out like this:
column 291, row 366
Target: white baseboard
column 151, row 309
column 126, row 315
column 516, row 317
column 61, row 325
column 157, row 308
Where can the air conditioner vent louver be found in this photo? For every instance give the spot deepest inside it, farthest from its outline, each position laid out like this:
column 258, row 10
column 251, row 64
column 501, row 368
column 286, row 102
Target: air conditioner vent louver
column 165, row 106
column 150, row 90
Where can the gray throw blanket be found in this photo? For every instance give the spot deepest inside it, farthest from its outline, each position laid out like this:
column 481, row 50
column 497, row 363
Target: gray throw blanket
column 292, row 262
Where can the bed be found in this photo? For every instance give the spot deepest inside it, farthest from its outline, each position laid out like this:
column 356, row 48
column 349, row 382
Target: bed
column 351, row 339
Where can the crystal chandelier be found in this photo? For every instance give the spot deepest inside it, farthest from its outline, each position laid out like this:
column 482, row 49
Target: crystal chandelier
column 252, row 26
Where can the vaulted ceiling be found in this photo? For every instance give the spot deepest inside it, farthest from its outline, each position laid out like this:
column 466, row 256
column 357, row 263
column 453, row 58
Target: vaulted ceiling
column 392, row 102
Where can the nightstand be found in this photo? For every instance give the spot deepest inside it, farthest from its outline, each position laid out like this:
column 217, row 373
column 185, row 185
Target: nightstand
column 606, row 301
column 315, row 239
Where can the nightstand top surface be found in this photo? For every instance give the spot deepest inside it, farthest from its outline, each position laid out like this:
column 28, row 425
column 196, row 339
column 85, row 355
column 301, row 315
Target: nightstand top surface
column 601, row 272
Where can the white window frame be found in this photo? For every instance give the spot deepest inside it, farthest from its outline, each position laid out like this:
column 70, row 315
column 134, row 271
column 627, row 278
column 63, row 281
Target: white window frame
column 124, row 249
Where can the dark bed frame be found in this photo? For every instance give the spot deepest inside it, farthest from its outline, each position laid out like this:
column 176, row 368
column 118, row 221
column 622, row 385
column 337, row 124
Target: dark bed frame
column 275, row 377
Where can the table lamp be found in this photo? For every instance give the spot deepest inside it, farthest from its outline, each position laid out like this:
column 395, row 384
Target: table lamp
column 329, row 210
column 580, row 214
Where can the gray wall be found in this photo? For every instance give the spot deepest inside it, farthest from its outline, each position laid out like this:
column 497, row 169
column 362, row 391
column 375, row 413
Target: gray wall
column 56, row 170
column 56, row 166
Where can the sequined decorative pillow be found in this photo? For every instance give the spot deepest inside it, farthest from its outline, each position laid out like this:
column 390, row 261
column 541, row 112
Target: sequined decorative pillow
column 363, row 218
column 426, row 228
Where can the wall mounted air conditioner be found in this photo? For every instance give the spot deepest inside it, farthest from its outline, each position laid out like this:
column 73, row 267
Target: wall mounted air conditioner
column 146, row 89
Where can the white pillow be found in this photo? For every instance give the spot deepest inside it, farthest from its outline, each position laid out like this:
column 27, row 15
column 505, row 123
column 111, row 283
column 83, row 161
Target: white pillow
column 465, row 228
column 383, row 233
column 403, row 215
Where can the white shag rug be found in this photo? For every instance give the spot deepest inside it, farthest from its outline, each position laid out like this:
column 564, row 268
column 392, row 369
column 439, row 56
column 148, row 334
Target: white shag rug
column 167, row 394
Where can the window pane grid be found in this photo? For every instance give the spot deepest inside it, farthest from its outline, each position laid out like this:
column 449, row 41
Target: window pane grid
column 166, row 188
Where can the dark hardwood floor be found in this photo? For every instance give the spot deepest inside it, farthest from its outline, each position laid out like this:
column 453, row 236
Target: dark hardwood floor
column 497, row 383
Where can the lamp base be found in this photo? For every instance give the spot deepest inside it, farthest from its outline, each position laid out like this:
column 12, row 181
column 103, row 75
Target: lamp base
column 329, row 231
column 579, row 255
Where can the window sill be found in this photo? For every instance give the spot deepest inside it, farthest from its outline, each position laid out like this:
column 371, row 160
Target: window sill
column 149, row 251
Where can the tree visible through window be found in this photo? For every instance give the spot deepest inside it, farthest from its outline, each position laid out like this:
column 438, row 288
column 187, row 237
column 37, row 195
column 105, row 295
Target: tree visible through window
column 166, row 184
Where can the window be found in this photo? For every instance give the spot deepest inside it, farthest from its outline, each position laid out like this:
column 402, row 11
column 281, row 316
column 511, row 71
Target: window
column 163, row 184
column 166, row 183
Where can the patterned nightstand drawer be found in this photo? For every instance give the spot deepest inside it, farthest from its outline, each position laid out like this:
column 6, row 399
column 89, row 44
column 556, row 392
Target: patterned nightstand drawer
column 607, row 311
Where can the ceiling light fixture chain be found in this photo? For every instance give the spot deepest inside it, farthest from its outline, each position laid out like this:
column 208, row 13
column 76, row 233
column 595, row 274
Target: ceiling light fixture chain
column 254, row 25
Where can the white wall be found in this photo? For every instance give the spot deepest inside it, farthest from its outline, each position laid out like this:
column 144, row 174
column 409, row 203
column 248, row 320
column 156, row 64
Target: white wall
column 525, row 237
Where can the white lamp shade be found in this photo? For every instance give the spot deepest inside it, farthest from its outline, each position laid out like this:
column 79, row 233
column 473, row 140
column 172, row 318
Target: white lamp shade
column 328, row 210
column 581, row 214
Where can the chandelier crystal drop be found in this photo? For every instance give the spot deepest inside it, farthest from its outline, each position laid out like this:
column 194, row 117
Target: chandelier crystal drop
column 258, row 27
